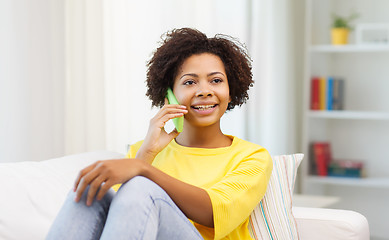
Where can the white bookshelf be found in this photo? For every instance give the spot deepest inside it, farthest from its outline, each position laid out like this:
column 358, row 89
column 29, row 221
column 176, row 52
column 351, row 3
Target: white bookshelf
column 361, row 130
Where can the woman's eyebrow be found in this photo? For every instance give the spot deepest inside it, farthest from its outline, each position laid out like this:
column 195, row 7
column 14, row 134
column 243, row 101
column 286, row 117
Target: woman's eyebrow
column 195, row 75
column 214, row 73
column 189, row 74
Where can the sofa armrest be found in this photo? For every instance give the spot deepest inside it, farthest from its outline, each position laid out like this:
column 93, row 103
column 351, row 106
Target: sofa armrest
column 322, row 223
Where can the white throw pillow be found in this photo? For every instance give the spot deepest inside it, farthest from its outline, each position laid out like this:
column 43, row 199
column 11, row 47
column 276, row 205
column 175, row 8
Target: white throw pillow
column 272, row 218
column 32, row 193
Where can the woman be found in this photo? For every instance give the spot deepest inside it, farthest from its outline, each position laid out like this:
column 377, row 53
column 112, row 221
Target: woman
column 197, row 184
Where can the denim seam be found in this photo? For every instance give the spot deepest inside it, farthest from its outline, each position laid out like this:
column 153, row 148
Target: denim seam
column 178, row 212
column 147, row 218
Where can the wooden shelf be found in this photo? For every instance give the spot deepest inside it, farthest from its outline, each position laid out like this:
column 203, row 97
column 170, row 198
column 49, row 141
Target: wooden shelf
column 361, row 115
column 357, row 182
column 352, row 48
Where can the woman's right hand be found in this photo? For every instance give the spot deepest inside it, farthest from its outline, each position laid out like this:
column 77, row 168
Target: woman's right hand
column 157, row 138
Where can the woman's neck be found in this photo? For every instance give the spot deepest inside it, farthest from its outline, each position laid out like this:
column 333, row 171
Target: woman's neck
column 203, row 137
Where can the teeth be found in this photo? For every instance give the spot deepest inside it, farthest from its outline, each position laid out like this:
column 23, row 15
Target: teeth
column 203, row 107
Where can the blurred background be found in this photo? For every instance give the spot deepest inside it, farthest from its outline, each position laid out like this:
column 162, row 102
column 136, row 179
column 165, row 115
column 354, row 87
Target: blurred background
column 72, row 80
column 73, row 72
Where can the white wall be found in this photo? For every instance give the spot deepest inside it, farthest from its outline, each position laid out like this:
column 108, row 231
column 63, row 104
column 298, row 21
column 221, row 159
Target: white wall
column 31, row 79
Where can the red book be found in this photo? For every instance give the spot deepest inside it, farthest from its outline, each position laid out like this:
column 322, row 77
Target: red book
column 315, row 93
column 322, row 154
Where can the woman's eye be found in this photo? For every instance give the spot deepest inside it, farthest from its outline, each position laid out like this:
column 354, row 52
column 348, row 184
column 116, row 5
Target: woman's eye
column 217, row 80
column 189, row 82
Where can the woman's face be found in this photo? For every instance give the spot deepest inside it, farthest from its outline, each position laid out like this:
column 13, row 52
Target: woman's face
column 201, row 85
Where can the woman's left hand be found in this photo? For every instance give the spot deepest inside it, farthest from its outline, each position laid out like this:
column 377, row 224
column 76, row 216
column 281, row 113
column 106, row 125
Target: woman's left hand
column 102, row 175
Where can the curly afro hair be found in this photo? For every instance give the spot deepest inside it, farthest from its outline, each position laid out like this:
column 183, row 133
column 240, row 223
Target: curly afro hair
column 179, row 44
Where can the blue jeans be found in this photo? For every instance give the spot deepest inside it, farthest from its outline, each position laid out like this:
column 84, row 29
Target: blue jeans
column 139, row 210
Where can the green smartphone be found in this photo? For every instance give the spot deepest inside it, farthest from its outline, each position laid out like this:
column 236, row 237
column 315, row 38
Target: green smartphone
column 178, row 122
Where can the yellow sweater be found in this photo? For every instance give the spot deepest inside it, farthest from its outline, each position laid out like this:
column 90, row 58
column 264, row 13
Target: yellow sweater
column 235, row 178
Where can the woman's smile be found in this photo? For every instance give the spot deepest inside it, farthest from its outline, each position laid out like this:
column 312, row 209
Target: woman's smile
column 205, row 110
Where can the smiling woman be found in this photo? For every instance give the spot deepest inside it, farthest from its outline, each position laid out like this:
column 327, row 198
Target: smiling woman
column 201, row 180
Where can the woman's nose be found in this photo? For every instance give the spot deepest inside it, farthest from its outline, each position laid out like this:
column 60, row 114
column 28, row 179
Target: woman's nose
column 204, row 90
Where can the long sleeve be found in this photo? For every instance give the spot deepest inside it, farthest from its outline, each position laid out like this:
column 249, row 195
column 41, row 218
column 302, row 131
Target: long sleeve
column 242, row 189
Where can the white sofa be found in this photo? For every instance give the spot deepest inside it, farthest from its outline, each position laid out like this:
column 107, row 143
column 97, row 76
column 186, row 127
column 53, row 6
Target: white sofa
column 33, row 192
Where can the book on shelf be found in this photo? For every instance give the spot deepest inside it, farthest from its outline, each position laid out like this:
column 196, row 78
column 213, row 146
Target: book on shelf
column 322, row 93
column 320, row 158
column 327, row 93
column 346, row 168
column 330, row 89
column 321, row 163
column 338, row 94
column 315, row 102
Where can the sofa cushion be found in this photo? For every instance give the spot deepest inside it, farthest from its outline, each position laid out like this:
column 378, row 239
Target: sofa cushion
column 29, row 202
column 272, row 218
column 334, row 224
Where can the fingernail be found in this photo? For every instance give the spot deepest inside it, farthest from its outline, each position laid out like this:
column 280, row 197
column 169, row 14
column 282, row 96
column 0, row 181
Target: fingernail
column 76, row 199
column 89, row 202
